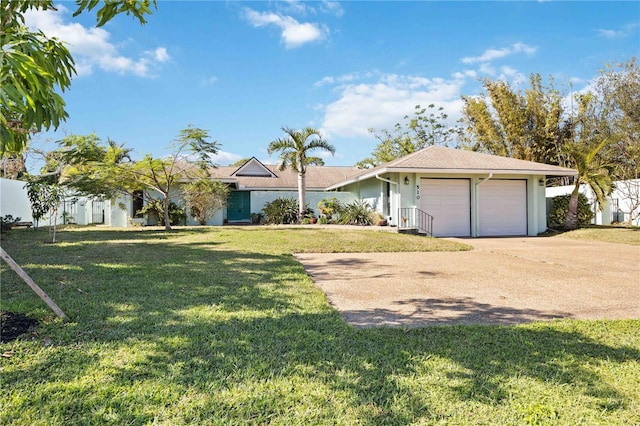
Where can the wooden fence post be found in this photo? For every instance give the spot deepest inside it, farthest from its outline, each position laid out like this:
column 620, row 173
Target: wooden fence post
column 27, row 279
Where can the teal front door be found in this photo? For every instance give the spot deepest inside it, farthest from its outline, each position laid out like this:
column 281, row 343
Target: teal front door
column 239, row 207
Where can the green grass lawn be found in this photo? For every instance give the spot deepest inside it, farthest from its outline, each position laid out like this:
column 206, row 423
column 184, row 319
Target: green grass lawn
column 607, row 234
column 223, row 326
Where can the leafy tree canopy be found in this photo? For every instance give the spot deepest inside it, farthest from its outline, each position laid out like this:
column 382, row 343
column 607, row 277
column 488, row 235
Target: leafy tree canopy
column 619, row 89
column 528, row 125
column 35, row 69
column 192, row 158
column 84, row 164
column 416, row 132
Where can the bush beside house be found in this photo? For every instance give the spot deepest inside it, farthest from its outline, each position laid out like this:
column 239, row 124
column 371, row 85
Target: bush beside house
column 559, row 207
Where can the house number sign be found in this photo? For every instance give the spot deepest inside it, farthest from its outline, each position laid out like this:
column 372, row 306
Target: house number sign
column 417, row 192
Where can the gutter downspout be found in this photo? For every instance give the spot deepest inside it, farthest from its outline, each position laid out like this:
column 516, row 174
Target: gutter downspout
column 397, row 191
column 386, row 180
column 477, row 204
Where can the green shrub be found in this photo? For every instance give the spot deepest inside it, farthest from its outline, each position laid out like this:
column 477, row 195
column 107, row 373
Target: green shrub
column 330, row 207
column 280, row 211
column 322, row 220
column 177, row 214
column 357, row 213
column 560, row 206
column 283, row 211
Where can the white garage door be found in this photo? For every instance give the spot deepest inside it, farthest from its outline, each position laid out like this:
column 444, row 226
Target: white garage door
column 449, row 202
column 502, row 208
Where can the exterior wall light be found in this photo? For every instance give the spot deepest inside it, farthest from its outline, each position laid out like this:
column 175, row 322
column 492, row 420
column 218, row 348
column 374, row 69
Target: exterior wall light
column 406, row 180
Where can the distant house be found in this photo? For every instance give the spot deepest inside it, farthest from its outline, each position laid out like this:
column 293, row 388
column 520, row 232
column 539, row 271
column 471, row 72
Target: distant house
column 622, row 206
column 74, row 209
column 439, row 191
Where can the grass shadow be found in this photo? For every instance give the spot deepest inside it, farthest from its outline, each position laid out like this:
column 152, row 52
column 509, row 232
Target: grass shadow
column 173, row 332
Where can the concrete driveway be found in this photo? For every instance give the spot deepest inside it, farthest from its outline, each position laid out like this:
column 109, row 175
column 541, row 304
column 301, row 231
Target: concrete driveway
column 501, row 281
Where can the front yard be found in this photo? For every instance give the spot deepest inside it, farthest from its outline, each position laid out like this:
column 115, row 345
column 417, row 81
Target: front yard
column 611, row 234
column 223, row 326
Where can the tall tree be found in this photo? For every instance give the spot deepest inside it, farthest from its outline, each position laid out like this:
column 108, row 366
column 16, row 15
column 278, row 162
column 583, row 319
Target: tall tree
column 526, row 125
column 84, row 164
column 34, row 68
column 585, row 152
column 191, row 159
column 619, row 88
column 416, row 132
column 294, row 151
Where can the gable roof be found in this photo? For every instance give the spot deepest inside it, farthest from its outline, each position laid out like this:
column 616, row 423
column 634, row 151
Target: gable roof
column 253, row 167
column 438, row 159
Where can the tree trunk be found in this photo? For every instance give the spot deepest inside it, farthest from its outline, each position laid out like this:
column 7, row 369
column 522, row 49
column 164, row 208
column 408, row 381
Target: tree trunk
column 571, row 220
column 165, row 205
column 301, row 196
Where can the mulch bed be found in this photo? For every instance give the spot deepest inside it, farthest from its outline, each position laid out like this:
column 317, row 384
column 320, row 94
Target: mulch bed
column 13, row 324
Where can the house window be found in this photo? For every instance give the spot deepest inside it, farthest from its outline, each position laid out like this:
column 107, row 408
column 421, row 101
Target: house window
column 137, row 203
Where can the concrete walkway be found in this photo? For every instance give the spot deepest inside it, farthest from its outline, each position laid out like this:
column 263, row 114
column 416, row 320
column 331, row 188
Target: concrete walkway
column 501, row 281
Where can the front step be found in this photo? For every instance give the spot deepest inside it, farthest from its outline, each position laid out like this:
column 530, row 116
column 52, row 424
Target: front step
column 410, row 231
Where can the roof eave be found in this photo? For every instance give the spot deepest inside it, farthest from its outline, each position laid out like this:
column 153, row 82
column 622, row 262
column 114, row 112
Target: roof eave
column 545, row 172
column 279, row 188
column 373, row 173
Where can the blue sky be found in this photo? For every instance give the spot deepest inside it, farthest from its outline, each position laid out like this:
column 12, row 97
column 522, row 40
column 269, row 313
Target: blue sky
column 243, row 70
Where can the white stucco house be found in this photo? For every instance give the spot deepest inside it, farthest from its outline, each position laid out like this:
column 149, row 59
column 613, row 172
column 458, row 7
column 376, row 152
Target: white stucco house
column 461, row 193
column 622, row 206
column 79, row 210
column 439, row 191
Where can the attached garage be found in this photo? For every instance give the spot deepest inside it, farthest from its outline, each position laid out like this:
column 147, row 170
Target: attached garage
column 468, row 193
column 449, row 202
column 502, row 208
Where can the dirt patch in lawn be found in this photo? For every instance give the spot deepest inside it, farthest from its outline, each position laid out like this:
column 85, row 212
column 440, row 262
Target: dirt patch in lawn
column 14, row 325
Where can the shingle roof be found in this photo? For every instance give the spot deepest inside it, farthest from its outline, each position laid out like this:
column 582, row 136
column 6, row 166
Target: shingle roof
column 433, row 159
column 317, row 177
column 439, row 157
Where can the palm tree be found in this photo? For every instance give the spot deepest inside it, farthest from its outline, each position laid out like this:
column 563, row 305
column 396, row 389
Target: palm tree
column 294, row 151
column 591, row 133
column 591, row 171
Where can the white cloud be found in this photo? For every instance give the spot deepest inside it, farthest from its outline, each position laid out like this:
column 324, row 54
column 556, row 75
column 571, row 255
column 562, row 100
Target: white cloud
column 610, row 33
column 303, row 8
column 332, row 7
column 487, row 69
column 225, row 158
column 625, row 31
column 508, row 71
column 210, row 81
column 90, row 47
column 382, row 103
column 293, row 33
column 493, row 54
column 295, row 6
column 340, row 79
column 324, row 81
column 161, row 55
